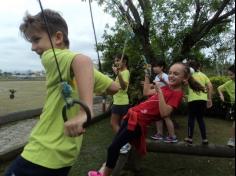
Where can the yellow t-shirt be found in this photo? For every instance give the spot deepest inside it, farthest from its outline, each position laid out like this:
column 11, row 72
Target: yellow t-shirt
column 101, row 82
column 229, row 88
column 48, row 146
column 121, row 97
column 203, row 80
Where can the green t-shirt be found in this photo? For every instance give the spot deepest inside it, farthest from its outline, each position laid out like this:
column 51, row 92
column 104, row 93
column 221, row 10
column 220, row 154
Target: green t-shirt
column 121, row 97
column 101, row 82
column 203, row 80
column 48, row 146
column 229, row 88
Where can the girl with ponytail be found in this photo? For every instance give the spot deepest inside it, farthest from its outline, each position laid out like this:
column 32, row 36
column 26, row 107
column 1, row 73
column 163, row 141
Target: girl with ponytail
column 162, row 102
column 198, row 101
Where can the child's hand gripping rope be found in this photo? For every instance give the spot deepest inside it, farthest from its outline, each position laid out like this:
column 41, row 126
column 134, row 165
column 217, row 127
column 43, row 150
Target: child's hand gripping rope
column 73, row 127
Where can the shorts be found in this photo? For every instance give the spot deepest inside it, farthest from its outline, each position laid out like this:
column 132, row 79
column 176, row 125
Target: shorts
column 22, row 167
column 121, row 110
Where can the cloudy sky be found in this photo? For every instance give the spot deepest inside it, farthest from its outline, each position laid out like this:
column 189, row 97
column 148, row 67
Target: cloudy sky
column 16, row 52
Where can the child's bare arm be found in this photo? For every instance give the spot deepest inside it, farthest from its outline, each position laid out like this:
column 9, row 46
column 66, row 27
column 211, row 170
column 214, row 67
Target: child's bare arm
column 82, row 67
column 209, row 94
column 221, row 95
column 113, row 88
column 165, row 109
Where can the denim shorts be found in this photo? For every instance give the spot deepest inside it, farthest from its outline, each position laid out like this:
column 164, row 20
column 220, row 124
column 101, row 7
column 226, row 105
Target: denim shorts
column 22, row 167
column 121, row 110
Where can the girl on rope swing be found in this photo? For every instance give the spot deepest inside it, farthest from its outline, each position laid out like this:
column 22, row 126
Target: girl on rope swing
column 158, row 106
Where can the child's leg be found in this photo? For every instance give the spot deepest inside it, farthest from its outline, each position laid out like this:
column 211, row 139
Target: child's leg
column 191, row 118
column 170, row 126
column 231, row 141
column 200, row 120
column 118, row 111
column 159, row 133
column 232, row 135
column 22, row 167
column 123, row 136
column 115, row 122
column 159, row 126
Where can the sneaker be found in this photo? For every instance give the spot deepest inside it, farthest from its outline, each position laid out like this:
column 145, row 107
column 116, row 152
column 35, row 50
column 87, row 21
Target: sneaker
column 125, row 149
column 157, row 136
column 188, row 140
column 94, row 173
column 205, row 142
column 170, row 139
column 231, row 142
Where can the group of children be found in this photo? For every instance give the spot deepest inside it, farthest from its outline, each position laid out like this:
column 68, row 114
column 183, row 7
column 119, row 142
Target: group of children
column 54, row 145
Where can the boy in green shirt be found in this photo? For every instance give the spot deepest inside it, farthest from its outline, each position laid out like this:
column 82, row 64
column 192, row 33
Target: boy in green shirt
column 229, row 88
column 54, row 144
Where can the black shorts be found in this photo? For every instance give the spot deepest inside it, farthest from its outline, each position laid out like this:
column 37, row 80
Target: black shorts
column 22, row 167
column 121, row 110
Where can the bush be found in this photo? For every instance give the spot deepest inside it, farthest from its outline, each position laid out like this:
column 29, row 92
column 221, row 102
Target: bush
column 219, row 108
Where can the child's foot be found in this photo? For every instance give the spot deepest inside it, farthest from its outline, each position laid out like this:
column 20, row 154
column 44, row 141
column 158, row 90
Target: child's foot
column 231, row 142
column 157, row 136
column 205, row 142
column 170, row 139
column 94, row 173
column 125, row 149
column 188, row 140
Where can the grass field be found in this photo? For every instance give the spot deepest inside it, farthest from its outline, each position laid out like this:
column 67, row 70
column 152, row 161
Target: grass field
column 31, row 94
column 99, row 136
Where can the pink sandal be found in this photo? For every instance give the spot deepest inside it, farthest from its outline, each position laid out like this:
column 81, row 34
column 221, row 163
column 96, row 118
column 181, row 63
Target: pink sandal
column 94, row 173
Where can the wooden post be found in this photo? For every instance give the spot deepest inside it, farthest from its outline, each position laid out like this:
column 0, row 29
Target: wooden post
column 132, row 159
column 210, row 150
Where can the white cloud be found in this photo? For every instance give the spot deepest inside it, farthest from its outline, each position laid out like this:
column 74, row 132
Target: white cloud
column 16, row 52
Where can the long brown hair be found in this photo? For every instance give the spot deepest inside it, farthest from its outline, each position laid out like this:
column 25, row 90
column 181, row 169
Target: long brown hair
column 193, row 84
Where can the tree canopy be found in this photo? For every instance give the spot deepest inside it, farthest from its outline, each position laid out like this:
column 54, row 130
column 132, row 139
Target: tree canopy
column 172, row 30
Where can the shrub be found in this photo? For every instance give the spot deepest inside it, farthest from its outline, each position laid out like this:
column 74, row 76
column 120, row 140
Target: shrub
column 219, row 108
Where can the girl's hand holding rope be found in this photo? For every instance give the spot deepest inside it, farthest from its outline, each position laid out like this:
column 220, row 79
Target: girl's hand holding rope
column 74, row 126
column 157, row 87
column 116, row 68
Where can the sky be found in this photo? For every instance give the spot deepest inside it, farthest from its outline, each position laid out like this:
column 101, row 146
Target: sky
column 16, row 52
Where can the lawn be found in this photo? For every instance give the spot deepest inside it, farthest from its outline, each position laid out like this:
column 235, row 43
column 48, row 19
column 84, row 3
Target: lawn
column 99, row 136
column 29, row 95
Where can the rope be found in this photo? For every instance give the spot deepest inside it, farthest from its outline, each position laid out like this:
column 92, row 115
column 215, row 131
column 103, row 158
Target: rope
column 95, row 36
column 66, row 88
column 50, row 39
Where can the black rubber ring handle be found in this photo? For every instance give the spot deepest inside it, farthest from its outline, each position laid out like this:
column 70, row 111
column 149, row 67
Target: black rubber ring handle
column 84, row 106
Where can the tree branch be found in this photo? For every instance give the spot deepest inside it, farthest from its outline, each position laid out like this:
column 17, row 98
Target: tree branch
column 127, row 18
column 142, row 5
column 209, row 24
column 134, row 12
column 226, row 15
column 197, row 13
